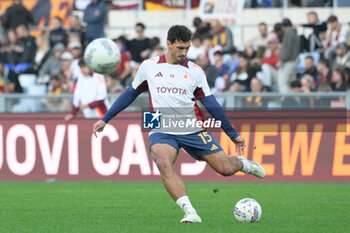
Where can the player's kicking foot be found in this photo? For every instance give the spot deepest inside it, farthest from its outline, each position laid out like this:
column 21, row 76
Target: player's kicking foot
column 253, row 168
column 191, row 217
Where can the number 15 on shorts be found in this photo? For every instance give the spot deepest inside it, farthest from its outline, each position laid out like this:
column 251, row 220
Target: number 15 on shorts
column 205, row 137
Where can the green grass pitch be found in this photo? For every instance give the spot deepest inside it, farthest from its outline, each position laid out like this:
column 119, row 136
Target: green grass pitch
column 146, row 207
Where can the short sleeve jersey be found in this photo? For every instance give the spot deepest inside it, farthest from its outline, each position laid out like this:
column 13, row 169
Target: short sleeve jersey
column 172, row 86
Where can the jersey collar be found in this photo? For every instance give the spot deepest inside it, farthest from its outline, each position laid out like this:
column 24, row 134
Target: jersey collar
column 162, row 59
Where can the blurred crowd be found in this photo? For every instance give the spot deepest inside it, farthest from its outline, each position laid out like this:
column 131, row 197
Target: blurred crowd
column 294, row 3
column 275, row 60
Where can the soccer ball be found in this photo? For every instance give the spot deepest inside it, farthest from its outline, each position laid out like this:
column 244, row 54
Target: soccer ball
column 102, row 56
column 248, row 210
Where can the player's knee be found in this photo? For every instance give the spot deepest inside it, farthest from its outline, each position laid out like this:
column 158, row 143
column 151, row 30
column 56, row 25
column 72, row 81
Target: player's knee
column 162, row 164
column 162, row 159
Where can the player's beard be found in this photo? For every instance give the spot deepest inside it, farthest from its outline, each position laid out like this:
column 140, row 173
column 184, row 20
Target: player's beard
column 180, row 59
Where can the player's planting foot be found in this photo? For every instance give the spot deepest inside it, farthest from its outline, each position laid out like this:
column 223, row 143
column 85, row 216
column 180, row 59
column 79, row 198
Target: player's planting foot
column 253, row 168
column 191, row 217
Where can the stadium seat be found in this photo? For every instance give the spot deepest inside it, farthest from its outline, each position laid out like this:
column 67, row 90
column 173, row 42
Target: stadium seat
column 31, row 104
column 27, row 81
column 21, row 67
column 9, row 66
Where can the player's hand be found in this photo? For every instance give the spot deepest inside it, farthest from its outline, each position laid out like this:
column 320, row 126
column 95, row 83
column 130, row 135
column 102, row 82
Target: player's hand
column 99, row 126
column 68, row 117
column 240, row 144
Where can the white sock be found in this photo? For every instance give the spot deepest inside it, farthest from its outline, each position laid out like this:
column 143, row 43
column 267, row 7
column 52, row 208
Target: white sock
column 185, row 204
column 244, row 161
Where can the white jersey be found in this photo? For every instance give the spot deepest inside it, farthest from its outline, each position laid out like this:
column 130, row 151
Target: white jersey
column 74, row 71
column 174, row 88
column 88, row 90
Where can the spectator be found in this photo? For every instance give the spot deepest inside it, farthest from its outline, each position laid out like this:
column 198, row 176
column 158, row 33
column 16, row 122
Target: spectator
column 94, row 16
column 325, row 73
column 55, row 89
column 113, row 83
column 67, row 76
column 42, row 51
column 251, row 53
column 196, row 47
column 269, row 63
column 288, row 57
column 255, row 101
column 314, row 42
column 13, row 48
column 53, row 64
column 295, row 102
column 209, row 70
column 9, row 80
column 347, row 76
column 28, row 44
column 57, row 34
column 74, row 71
column 55, row 86
column 310, row 68
column 339, row 83
column 202, row 27
column 222, row 35
column 278, row 31
column 221, row 68
column 93, row 103
column 307, row 86
column 347, row 36
column 76, row 49
column 139, row 46
column 74, row 37
column 158, row 52
column 307, row 83
column 16, row 15
column 124, row 67
column 243, row 73
column 209, row 49
column 336, row 34
column 76, row 29
column 222, row 71
column 260, row 41
column 156, row 48
column 342, row 58
column 233, row 60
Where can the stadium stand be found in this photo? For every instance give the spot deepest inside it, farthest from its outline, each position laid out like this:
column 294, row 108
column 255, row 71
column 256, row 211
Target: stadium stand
column 311, row 54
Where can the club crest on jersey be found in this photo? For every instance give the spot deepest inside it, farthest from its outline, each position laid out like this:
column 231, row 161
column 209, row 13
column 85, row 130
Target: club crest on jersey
column 186, row 76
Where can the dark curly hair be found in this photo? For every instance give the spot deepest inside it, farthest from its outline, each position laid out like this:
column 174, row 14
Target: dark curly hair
column 180, row 33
